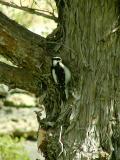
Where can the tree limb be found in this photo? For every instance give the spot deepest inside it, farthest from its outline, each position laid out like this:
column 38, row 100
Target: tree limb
column 15, row 77
column 30, row 10
column 27, row 51
column 22, row 47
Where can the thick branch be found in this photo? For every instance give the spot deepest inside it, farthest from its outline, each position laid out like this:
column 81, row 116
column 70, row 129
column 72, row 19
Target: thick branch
column 22, row 47
column 26, row 50
column 15, row 77
column 29, row 10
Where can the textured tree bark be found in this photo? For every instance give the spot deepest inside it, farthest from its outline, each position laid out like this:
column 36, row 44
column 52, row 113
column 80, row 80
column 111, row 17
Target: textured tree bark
column 88, row 126
column 87, row 38
column 27, row 51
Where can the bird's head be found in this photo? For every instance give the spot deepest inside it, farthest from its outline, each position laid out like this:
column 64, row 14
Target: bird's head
column 56, row 60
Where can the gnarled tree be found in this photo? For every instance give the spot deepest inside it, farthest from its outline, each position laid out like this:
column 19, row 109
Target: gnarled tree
column 87, row 38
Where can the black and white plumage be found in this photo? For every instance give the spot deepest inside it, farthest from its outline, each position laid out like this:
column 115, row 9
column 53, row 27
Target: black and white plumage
column 61, row 75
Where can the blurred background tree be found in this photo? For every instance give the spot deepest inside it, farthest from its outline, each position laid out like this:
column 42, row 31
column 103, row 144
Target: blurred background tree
column 37, row 24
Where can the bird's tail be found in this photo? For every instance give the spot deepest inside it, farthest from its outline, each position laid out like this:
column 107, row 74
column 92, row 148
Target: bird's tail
column 64, row 93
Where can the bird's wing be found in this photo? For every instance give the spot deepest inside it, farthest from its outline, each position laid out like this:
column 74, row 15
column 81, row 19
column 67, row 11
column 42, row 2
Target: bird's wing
column 67, row 75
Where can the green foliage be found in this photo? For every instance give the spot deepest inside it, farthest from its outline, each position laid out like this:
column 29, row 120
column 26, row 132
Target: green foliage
column 12, row 149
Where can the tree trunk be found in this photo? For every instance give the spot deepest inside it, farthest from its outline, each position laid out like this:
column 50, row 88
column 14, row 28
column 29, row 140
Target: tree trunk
column 87, row 126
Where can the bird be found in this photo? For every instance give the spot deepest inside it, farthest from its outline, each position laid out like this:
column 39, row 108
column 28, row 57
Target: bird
column 61, row 76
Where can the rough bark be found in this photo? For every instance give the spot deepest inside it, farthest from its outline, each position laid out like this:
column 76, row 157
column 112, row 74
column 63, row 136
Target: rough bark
column 88, row 124
column 27, row 51
column 92, row 44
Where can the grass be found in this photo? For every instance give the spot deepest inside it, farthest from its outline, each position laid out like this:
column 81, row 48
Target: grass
column 12, row 149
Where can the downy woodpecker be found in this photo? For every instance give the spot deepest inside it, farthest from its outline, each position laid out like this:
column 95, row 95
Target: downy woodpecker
column 61, row 75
